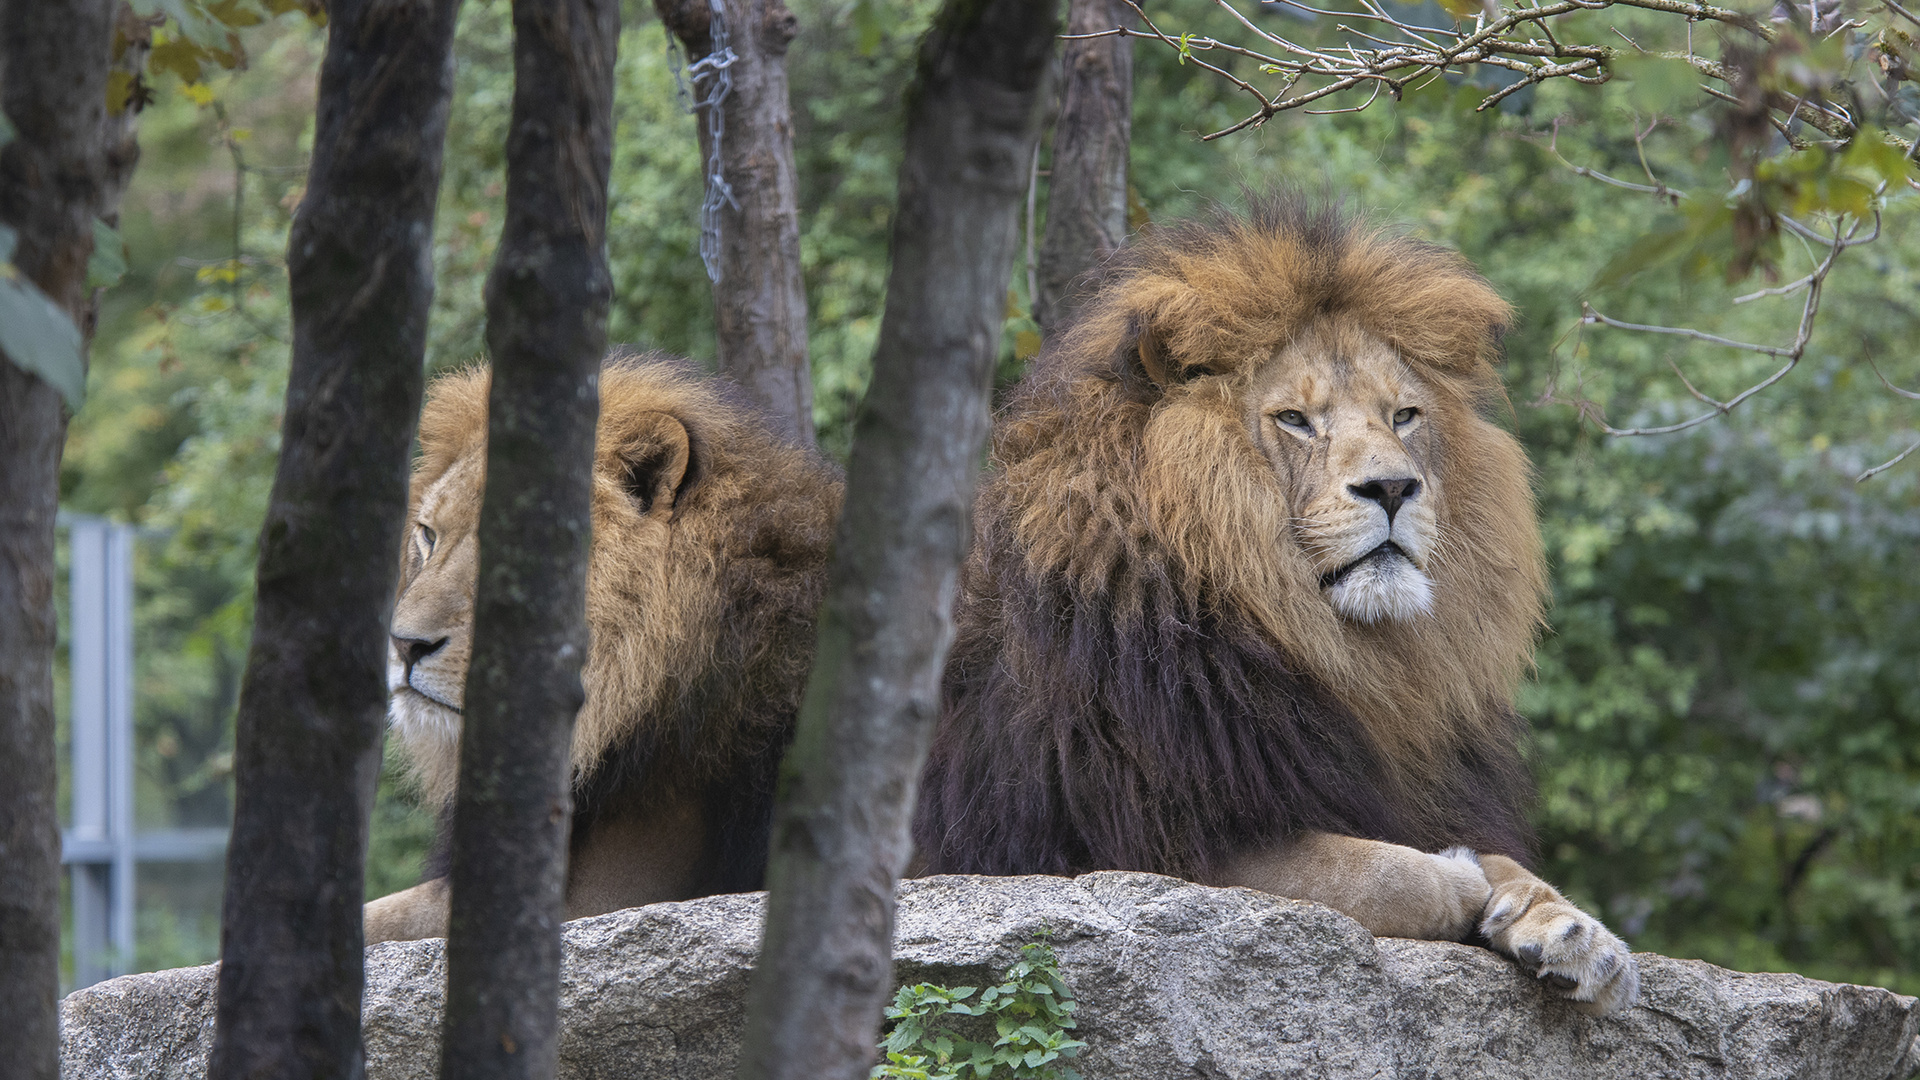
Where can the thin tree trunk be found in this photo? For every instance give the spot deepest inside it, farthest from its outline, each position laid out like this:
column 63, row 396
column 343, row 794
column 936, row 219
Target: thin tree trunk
column 1087, row 204
column 313, row 701
column 847, row 787
column 759, row 299
column 67, row 164
column 547, row 330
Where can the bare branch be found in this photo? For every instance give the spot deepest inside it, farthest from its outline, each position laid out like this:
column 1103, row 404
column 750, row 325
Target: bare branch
column 1778, row 290
column 1593, row 316
column 1885, row 465
column 1510, row 40
column 1883, row 382
column 1791, row 353
column 1356, row 108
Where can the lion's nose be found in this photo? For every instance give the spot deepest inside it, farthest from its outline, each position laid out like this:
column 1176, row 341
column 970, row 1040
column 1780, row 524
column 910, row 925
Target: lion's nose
column 414, row 650
column 1388, row 493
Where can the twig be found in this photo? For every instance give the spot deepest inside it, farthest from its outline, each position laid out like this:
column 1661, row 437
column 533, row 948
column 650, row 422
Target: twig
column 1885, row 465
column 1792, row 353
column 1778, row 290
column 1657, row 187
column 1357, row 108
column 1883, row 382
column 1594, row 316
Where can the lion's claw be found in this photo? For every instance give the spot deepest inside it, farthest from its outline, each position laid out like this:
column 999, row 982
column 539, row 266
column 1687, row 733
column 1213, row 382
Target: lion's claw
column 1569, row 951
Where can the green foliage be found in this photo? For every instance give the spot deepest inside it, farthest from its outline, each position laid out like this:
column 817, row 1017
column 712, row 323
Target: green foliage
column 36, row 333
column 1030, row 1010
column 187, row 39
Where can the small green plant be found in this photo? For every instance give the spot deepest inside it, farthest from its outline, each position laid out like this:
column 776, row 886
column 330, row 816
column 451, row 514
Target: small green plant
column 1031, row 1010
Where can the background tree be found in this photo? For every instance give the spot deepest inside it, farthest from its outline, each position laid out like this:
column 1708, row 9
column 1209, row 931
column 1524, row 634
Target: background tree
column 64, row 162
column 312, row 707
column 546, row 332
column 750, row 221
column 1087, row 205
column 839, row 836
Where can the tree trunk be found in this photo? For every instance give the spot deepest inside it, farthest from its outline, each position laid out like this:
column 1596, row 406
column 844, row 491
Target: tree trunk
column 547, row 330
column 313, row 701
column 759, row 299
column 1087, row 207
column 847, row 787
column 67, row 164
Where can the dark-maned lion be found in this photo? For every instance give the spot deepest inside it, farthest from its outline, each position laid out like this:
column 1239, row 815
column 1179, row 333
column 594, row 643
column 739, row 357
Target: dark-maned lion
column 710, row 544
column 1253, row 582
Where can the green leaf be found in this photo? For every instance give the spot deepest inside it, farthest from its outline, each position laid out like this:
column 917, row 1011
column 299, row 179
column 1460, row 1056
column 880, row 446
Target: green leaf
column 1658, row 84
column 194, row 22
column 108, row 263
column 1872, row 153
column 867, row 24
column 37, row 335
column 1701, row 232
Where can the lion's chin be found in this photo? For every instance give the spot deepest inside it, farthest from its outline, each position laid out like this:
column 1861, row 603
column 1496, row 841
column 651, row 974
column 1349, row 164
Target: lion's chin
column 417, row 716
column 1384, row 585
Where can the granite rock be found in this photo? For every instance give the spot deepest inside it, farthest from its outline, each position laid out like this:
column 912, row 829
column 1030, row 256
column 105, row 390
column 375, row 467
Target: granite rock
column 1174, row 979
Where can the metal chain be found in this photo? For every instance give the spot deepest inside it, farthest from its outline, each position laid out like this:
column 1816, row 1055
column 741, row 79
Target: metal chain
column 710, row 82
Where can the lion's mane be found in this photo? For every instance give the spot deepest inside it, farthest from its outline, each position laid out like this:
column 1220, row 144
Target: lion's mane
column 701, row 638
column 1146, row 674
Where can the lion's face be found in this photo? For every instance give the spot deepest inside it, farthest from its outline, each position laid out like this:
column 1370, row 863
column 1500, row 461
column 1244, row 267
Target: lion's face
column 432, row 636
column 1281, row 426
column 709, row 549
column 1347, row 427
column 641, row 470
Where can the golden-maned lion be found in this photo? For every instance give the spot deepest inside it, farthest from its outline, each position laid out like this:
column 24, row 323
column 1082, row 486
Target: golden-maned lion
column 1253, row 582
column 710, row 544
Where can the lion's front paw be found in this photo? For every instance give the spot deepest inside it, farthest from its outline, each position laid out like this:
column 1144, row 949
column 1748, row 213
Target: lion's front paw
column 1569, row 950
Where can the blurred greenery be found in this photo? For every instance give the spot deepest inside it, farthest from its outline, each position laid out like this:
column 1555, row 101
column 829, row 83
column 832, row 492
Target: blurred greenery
column 1726, row 706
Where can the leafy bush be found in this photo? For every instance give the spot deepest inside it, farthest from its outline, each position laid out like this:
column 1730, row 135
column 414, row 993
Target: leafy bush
column 939, row 1033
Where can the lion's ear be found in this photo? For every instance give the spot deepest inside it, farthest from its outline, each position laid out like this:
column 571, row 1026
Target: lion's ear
column 658, row 464
column 1149, row 349
column 1146, row 353
column 1153, row 358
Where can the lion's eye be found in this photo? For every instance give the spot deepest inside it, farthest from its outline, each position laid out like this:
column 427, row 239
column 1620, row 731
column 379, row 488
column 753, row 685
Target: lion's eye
column 1404, row 417
column 427, row 537
column 1293, row 418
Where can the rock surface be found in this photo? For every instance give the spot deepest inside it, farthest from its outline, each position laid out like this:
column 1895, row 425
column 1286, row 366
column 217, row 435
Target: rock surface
column 1175, row 980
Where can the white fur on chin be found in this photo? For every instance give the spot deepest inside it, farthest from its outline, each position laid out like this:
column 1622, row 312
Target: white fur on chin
column 416, row 717
column 1384, row 587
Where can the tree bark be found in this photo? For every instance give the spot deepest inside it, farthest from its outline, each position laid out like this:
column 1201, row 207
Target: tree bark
column 547, row 304
column 840, row 834
column 1087, row 204
column 313, row 701
column 67, row 164
column 759, row 298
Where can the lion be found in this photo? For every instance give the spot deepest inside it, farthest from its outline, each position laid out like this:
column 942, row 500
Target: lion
column 1254, row 579
column 711, row 537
